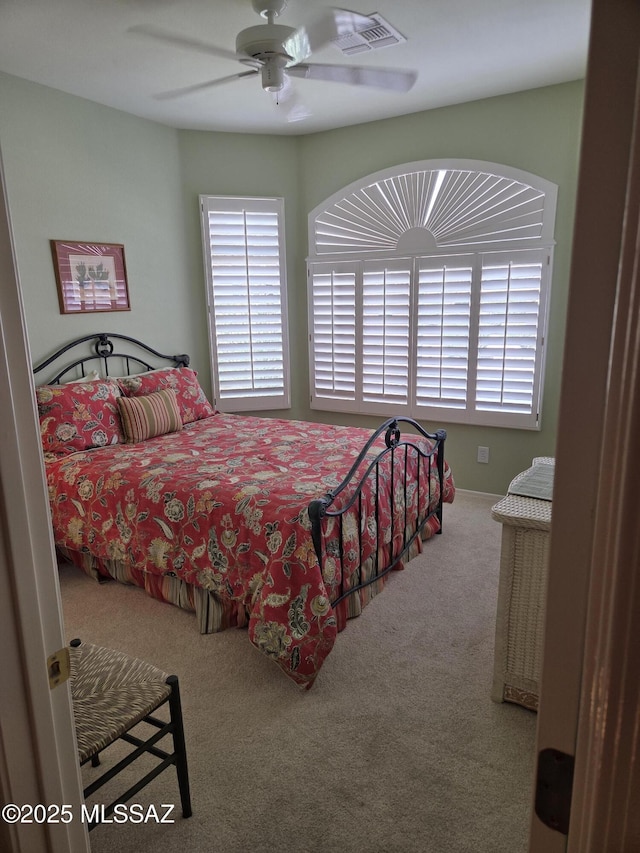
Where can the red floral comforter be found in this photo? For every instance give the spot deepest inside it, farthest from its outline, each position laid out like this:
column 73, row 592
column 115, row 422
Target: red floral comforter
column 223, row 505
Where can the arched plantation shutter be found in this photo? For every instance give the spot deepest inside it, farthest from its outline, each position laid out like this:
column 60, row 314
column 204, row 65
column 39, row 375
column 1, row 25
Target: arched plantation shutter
column 449, row 264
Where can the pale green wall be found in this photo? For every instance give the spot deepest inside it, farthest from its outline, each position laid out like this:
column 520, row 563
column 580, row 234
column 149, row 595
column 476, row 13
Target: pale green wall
column 246, row 165
column 77, row 170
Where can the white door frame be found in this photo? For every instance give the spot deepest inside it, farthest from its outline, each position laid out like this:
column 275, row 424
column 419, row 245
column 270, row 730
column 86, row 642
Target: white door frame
column 38, row 758
column 589, row 690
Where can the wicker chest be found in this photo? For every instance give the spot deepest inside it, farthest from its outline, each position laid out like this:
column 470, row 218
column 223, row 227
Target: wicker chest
column 526, row 523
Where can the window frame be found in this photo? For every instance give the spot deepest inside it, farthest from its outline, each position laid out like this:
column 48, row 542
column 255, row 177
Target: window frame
column 241, row 401
column 324, row 257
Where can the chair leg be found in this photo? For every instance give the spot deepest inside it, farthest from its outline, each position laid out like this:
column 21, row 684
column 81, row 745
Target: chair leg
column 179, row 746
column 95, row 760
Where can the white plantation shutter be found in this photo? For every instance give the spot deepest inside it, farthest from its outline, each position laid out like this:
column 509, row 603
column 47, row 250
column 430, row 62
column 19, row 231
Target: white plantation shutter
column 508, row 332
column 449, row 271
column 244, row 261
column 443, row 328
column 333, row 339
column 385, row 334
column 458, row 205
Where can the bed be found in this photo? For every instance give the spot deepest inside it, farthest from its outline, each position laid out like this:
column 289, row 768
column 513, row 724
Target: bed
column 286, row 527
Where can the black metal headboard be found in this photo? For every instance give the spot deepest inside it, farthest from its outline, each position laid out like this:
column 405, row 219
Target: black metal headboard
column 104, row 350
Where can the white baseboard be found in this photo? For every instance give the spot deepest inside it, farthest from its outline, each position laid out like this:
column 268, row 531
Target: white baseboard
column 482, row 494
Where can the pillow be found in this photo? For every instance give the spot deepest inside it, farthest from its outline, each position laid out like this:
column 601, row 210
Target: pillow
column 78, row 416
column 91, row 376
column 151, row 415
column 192, row 401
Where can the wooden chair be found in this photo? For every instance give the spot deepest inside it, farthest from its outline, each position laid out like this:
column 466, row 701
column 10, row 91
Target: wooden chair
column 112, row 693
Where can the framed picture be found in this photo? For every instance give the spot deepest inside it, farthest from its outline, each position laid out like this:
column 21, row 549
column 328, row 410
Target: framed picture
column 91, row 277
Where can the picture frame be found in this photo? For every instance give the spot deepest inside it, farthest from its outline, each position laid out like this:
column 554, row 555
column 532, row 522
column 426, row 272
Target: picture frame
column 90, row 277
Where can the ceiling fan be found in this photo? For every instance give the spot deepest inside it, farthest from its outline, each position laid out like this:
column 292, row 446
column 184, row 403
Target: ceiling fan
column 277, row 52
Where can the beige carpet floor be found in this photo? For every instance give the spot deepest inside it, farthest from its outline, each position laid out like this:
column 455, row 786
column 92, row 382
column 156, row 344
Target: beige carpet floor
column 396, row 749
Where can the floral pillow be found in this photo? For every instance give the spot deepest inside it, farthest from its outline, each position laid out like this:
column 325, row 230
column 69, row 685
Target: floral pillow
column 192, row 401
column 78, row 416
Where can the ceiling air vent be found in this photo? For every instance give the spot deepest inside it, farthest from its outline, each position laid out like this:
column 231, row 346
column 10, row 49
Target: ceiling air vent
column 379, row 34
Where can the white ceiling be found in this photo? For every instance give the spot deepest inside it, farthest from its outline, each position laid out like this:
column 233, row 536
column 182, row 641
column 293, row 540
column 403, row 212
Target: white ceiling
column 462, row 50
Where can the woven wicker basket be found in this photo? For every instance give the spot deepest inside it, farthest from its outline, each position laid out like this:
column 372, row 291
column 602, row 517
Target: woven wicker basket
column 526, row 523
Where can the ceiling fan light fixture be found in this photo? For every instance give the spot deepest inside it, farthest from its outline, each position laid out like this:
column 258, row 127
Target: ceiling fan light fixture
column 273, row 73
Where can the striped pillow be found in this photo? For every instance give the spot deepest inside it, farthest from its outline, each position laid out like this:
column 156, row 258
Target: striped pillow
column 146, row 417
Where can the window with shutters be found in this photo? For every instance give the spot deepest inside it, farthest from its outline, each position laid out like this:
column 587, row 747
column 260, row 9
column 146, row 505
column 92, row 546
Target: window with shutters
column 244, row 260
column 428, row 294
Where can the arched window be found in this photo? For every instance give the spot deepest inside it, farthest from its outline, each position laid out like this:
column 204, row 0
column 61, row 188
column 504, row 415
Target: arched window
column 428, row 293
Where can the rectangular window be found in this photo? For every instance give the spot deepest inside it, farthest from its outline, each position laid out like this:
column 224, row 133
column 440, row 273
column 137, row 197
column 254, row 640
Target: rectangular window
column 454, row 338
column 243, row 241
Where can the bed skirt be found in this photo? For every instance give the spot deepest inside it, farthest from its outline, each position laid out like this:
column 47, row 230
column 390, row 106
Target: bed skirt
column 212, row 612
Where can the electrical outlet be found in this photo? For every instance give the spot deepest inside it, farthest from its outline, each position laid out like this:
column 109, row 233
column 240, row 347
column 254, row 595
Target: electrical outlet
column 483, row 454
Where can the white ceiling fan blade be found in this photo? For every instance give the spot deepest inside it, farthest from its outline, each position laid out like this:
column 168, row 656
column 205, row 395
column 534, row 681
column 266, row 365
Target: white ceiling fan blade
column 199, row 87
column 382, row 78
column 182, row 41
column 316, row 34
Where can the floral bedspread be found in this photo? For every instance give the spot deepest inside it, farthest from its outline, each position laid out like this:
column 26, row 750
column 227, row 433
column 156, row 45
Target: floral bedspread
column 221, row 505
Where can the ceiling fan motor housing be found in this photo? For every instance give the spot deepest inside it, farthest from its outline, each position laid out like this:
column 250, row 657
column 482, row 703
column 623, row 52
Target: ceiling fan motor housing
column 263, row 40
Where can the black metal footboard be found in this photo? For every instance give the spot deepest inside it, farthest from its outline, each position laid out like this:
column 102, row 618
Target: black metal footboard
column 402, row 473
